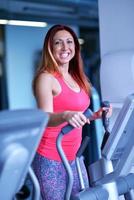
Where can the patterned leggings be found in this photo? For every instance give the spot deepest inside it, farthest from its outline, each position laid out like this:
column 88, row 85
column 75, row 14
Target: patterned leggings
column 52, row 177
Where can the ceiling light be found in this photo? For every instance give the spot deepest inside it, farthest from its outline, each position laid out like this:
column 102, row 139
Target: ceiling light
column 3, row 21
column 81, row 41
column 23, row 23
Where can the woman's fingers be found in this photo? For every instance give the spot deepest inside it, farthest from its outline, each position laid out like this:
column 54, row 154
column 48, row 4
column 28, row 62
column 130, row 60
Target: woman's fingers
column 108, row 110
column 88, row 121
column 78, row 119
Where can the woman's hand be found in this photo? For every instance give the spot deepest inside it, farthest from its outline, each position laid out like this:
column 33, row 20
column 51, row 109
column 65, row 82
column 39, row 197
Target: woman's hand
column 98, row 114
column 76, row 119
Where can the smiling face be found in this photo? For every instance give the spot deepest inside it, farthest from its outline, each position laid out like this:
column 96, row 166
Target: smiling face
column 63, row 47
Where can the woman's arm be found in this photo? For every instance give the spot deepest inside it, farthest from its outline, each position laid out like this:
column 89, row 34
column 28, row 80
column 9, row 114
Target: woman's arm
column 98, row 114
column 44, row 97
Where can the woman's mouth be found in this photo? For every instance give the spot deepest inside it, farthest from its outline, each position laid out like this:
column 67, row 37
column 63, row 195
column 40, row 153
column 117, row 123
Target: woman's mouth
column 64, row 55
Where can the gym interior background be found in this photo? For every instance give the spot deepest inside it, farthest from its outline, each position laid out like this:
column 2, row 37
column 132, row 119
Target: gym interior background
column 20, row 46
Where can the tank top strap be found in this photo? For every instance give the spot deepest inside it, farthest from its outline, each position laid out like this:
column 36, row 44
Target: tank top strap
column 60, row 80
column 65, row 86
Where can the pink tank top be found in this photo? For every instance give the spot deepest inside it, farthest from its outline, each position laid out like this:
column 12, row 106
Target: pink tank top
column 66, row 100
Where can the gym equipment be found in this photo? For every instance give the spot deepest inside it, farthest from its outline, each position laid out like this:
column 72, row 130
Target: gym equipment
column 20, row 134
column 93, row 152
column 105, row 122
column 110, row 175
column 65, row 130
column 117, row 154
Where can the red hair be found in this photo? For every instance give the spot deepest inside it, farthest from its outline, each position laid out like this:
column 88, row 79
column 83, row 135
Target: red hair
column 49, row 64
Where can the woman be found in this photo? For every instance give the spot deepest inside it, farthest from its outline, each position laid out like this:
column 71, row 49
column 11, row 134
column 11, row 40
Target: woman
column 62, row 90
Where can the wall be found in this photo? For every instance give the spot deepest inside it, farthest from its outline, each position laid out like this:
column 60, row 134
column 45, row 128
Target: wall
column 116, row 23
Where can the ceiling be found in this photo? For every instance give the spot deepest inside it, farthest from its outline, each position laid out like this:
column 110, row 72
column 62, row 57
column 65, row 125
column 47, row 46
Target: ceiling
column 74, row 12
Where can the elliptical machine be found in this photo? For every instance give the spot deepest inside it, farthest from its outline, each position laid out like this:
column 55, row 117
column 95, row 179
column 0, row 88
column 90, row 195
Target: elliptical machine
column 110, row 175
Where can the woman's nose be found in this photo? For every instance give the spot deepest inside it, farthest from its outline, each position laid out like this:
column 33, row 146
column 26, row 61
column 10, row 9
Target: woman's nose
column 64, row 45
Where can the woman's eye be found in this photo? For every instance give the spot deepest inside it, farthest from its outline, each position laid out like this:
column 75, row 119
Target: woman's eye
column 57, row 42
column 69, row 41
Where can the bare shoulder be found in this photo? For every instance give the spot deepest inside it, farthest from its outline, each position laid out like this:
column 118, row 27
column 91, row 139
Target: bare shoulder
column 45, row 77
column 48, row 83
column 44, row 82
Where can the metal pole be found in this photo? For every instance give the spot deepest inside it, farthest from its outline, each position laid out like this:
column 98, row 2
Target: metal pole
column 36, row 189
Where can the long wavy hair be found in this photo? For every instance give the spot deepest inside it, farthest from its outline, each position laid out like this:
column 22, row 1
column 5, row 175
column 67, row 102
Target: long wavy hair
column 49, row 64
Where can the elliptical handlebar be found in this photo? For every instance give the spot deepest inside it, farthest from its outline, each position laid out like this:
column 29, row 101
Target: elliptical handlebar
column 105, row 119
column 66, row 129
